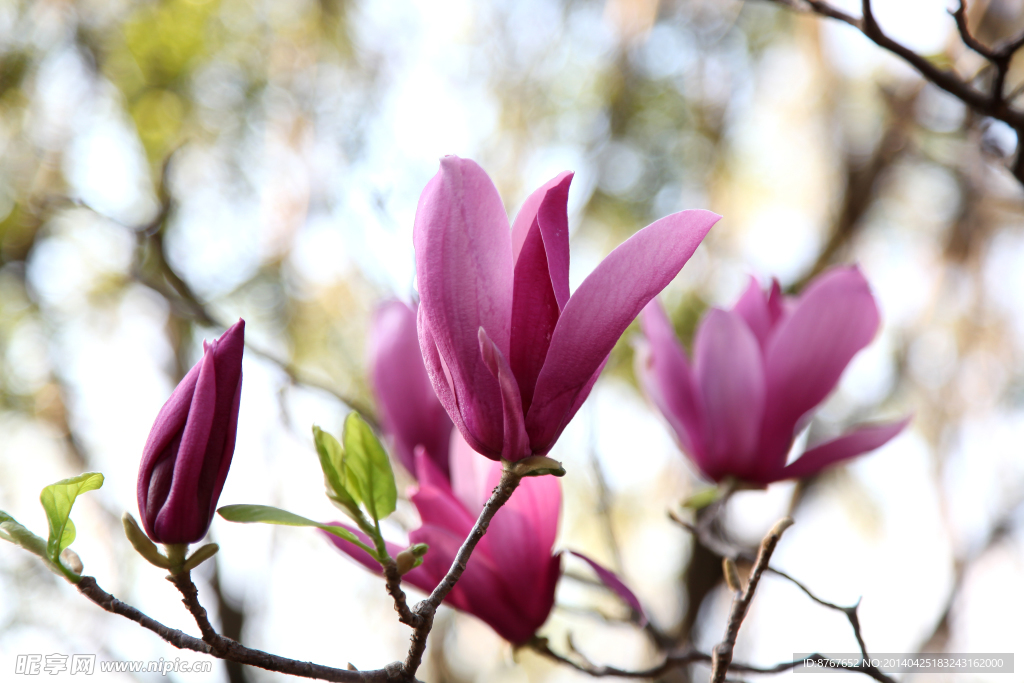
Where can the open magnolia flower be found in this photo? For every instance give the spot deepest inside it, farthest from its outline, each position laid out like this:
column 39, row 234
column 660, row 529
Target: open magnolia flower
column 410, row 413
column 510, row 354
column 509, row 582
column 758, row 372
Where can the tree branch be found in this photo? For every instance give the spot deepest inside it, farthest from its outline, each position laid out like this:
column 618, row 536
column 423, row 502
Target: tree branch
column 231, row 650
column 992, row 104
column 722, row 654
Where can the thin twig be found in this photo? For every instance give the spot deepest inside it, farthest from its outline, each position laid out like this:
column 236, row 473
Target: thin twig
column 722, row 654
column 234, row 651
column 190, row 596
column 426, row 608
column 393, row 582
column 991, row 103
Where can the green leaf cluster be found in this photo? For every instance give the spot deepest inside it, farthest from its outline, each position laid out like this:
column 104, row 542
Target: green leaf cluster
column 57, row 500
column 358, row 479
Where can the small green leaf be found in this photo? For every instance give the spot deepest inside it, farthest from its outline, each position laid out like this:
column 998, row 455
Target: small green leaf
column 198, row 557
column 264, row 514
column 332, row 462
column 57, row 500
column 701, row 499
column 368, row 468
column 140, row 541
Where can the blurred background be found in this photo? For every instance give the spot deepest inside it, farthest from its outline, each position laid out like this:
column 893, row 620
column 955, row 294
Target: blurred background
column 167, row 166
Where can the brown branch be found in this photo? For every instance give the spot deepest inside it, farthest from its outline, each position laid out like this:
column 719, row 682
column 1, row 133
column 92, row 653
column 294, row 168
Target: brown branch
column 190, row 596
column 393, row 583
column 991, row 104
column 722, row 654
column 426, row 608
column 232, row 650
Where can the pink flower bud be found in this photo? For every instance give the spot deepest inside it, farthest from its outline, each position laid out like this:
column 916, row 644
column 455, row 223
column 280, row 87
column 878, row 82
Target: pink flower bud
column 188, row 453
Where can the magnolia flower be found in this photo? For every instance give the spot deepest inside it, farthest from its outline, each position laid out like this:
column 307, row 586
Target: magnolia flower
column 758, row 372
column 509, row 582
column 510, row 354
column 410, row 413
column 188, row 453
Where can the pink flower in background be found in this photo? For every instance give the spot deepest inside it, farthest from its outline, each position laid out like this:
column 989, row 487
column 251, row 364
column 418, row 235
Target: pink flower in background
column 410, row 413
column 510, row 354
column 509, row 582
column 758, row 372
column 188, row 453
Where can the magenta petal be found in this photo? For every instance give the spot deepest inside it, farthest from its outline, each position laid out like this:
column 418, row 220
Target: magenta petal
column 730, row 374
column 410, row 411
column 664, row 373
column 547, row 208
column 523, row 530
column 534, row 314
column 753, row 308
column 464, row 271
column 615, row 584
column 601, row 309
column 811, row 346
column 516, row 443
column 181, row 515
column 860, row 440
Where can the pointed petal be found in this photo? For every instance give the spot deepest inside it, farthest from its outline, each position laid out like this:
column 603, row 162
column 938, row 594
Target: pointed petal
column 615, row 585
column 850, row 445
column 516, row 443
column 811, row 346
column 427, row 473
column 730, row 373
column 753, row 308
column 410, row 411
column 547, row 208
column 464, row 272
column 665, row 375
column 469, row 474
column 601, row 309
column 534, row 314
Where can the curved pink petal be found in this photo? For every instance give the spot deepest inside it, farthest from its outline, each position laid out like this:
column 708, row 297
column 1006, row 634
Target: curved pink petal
column 850, row 445
column 464, row 271
column 441, row 379
column 665, row 375
column 753, row 308
column 516, row 445
column 547, row 208
column 363, row 557
column 831, row 321
column 615, row 584
column 601, row 309
column 410, row 411
column 427, row 473
column 730, row 373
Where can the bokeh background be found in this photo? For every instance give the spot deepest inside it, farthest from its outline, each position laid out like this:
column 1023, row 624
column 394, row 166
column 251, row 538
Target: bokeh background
column 167, row 166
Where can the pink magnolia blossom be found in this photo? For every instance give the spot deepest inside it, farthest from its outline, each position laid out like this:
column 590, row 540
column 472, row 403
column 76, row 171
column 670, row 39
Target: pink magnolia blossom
column 758, row 372
column 509, row 582
column 510, row 354
column 188, row 453
column 410, row 413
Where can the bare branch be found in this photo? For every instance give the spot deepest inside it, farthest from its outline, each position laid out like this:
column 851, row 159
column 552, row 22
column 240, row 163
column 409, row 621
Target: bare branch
column 722, row 655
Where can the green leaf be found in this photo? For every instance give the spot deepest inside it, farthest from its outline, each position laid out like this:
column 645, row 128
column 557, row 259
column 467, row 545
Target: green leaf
column 701, row 499
column 57, row 500
column 264, row 514
column 332, row 462
column 368, row 468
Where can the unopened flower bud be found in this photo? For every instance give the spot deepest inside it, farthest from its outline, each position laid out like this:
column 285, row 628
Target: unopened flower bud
column 411, row 557
column 70, row 559
column 186, row 458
